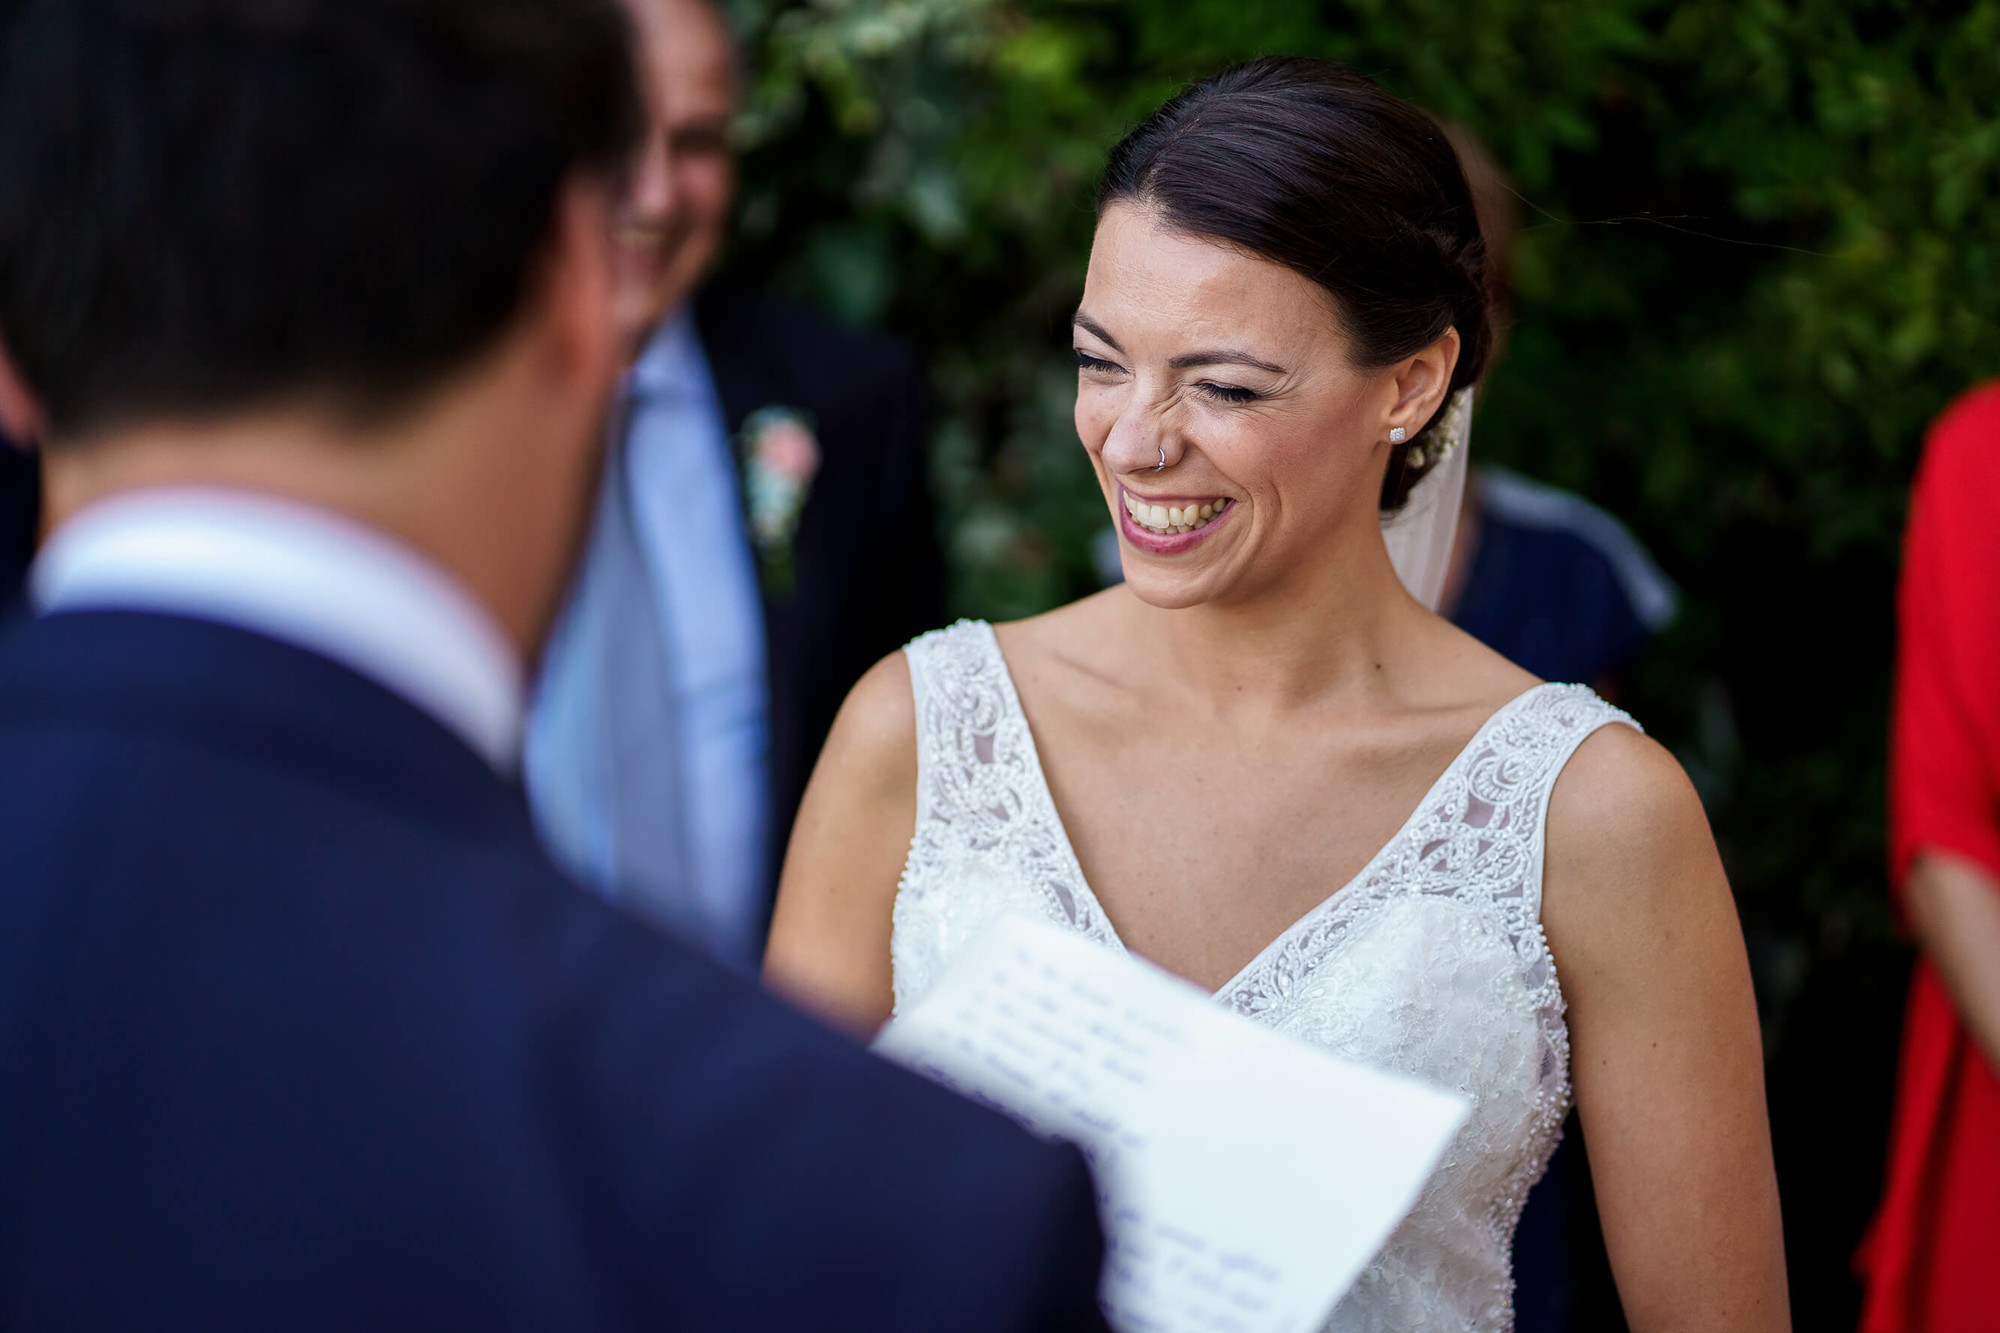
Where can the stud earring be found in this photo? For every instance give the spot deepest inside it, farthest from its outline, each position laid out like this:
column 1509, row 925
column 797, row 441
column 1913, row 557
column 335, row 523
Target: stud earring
column 1397, row 434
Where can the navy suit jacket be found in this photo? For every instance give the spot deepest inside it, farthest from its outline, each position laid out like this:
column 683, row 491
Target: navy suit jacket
column 299, row 1030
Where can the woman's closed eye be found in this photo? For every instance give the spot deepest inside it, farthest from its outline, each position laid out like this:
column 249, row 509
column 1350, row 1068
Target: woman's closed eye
column 1228, row 393
column 1221, row 393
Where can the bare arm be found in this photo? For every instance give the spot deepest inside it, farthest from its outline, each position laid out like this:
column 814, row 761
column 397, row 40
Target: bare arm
column 829, row 946
column 1664, row 1045
column 1954, row 909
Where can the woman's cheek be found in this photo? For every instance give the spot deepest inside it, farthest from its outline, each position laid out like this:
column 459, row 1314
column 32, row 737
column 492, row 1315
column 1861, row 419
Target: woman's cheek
column 1093, row 420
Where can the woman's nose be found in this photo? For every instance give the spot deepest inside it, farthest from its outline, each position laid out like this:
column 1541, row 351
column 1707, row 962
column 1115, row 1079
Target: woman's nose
column 1138, row 442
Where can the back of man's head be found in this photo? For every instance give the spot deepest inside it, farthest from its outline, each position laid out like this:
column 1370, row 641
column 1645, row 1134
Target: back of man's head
column 214, row 206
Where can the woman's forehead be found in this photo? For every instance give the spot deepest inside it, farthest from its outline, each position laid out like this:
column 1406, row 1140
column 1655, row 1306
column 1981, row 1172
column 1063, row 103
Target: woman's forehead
column 1148, row 279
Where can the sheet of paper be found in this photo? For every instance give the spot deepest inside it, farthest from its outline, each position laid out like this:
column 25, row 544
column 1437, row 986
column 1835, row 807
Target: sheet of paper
column 1245, row 1178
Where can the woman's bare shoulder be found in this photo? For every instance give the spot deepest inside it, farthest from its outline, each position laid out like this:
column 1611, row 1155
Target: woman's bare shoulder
column 830, row 931
column 1629, row 851
column 874, row 736
column 1623, row 790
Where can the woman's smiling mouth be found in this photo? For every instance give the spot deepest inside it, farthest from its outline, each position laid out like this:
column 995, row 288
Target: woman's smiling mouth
column 1176, row 516
column 1171, row 525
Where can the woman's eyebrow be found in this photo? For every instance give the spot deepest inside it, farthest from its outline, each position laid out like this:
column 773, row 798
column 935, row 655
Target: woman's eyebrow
column 1096, row 330
column 1187, row 360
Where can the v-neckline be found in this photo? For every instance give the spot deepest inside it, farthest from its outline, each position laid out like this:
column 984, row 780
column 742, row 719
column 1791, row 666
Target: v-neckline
column 1323, row 908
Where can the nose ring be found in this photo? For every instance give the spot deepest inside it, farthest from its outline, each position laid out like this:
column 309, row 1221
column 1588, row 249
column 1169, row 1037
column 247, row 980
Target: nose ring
column 1161, row 465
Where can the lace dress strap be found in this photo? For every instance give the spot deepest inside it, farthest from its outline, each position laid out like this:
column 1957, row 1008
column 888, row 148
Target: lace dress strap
column 1478, row 837
column 1561, row 718
column 988, row 837
column 1485, row 834
column 956, row 696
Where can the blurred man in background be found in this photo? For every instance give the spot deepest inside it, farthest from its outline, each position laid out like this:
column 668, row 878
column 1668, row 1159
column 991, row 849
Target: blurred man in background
column 764, row 535
column 299, row 1029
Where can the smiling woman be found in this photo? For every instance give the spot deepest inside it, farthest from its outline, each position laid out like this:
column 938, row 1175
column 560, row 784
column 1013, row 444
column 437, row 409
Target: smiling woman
column 1208, row 375
column 1385, row 227
column 1262, row 764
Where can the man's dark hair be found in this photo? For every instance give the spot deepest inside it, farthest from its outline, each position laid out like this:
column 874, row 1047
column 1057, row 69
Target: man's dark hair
column 211, row 205
column 1312, row 165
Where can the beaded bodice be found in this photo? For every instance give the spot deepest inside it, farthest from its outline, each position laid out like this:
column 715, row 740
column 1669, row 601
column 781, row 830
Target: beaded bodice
column 1431, row 962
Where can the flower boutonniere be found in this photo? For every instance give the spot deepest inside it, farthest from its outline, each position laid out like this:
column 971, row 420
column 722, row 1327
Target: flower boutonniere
column 780, row 457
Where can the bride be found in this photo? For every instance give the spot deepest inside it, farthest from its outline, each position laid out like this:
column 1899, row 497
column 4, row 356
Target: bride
column 1264, row 765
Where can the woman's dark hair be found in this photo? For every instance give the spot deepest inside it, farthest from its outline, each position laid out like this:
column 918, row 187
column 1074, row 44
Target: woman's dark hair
column 1311, row 165
column 206, row 205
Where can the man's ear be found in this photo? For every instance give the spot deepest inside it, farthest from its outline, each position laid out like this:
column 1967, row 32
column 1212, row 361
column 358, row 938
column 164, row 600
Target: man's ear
column 20, row 411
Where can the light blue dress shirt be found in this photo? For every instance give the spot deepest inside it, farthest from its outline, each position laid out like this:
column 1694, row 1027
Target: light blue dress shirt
column 703, row 867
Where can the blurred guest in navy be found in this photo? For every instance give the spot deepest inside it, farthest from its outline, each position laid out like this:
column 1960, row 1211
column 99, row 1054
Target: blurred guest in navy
column 764, row 535
column 1554, row 582
column 299, row 1029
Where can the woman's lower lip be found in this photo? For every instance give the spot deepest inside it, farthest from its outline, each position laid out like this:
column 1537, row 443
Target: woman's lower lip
column 1171, row 543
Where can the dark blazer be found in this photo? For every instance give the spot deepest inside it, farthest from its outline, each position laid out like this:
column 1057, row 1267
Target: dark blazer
column 869, row 574
column 299, row 1030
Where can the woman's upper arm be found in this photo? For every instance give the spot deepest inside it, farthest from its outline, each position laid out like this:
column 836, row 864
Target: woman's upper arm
column 1665, row 1051
column 829, row 945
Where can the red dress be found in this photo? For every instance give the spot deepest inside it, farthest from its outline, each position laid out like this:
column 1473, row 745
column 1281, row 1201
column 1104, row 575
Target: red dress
column 1932, row 1255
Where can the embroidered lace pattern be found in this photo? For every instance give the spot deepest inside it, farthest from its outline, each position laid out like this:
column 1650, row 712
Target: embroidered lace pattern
column 1431, row 962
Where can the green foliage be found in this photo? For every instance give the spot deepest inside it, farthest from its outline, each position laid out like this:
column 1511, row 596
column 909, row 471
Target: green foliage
column 1760, row 255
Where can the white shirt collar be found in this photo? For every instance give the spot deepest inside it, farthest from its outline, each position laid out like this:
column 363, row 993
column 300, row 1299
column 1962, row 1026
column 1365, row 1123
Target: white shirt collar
column 302, row 575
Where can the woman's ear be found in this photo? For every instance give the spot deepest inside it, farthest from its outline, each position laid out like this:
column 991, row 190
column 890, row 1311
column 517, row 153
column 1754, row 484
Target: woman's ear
column 20, row 411
column 1421, row 383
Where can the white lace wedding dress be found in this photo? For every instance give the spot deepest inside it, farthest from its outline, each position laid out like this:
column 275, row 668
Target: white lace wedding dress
column 1430, row 962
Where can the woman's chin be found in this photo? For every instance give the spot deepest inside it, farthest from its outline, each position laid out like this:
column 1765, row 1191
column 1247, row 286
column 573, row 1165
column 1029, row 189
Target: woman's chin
column 1179, row 567
column 1177, row 599
column 1170, row 587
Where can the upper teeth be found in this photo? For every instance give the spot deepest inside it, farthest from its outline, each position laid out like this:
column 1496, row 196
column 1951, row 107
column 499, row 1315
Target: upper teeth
column 1164, row 519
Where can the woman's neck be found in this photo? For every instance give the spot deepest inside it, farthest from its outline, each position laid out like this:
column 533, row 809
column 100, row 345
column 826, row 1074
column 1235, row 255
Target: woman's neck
column 1339, row 623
